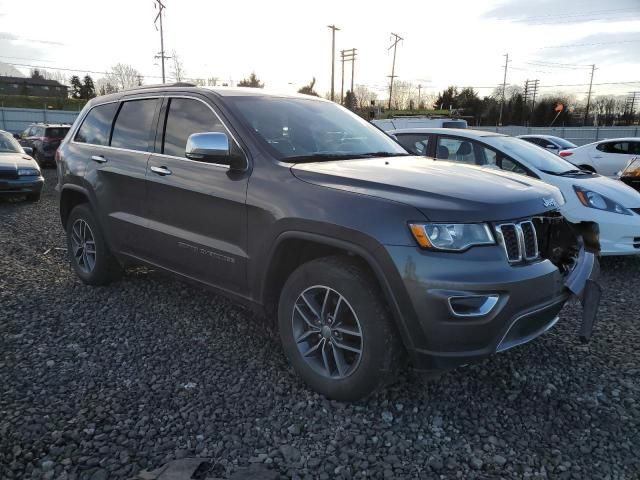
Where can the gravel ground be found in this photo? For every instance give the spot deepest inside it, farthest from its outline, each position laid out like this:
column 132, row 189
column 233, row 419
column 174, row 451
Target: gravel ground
column 102, row 382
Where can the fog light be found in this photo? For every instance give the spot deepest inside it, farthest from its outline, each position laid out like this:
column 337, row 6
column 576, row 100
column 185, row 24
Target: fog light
column 472, row 305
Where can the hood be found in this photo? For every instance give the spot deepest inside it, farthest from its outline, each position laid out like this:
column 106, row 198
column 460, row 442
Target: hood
column 610, row 188
column 443, row 191
column 13, row 161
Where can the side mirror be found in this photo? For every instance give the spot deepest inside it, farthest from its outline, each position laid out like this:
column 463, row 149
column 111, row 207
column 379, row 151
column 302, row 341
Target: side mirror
column 213, row 147
column 28, row 151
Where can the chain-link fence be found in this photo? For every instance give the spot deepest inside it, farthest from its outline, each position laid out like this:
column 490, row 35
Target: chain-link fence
column 577, row 135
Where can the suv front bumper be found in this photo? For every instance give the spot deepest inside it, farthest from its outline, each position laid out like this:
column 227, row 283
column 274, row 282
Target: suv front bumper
column 524, row 302
column 21, row 185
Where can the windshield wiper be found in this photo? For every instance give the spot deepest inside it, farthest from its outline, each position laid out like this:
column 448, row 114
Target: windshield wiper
column 567, row 172
column 319, row 157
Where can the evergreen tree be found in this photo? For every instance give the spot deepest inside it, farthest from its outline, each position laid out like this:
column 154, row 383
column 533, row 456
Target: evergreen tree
column 76, row 87
column 350, row 100
column 253, row 81
column 308, row 89
column 88, row 89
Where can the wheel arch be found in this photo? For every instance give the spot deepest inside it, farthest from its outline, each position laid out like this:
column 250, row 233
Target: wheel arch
column 70, row 197
column 307, row 246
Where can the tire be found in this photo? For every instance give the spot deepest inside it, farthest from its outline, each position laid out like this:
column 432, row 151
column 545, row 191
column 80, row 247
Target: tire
column 33, row 197
column 361, row 309
column 104, row 268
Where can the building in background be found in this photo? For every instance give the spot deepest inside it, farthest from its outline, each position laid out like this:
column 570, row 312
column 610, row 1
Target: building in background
column 34, row 87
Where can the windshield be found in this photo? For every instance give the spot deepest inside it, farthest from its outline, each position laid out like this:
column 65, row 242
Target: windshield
column 8, row 144
column 297, row 130
column 531, row 154
column 563, row 143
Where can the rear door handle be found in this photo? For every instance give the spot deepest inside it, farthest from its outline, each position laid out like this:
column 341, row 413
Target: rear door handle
column 161, row 171
column 98, row 158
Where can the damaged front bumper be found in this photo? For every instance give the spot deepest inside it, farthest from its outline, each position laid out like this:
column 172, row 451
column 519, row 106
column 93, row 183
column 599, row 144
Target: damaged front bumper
column 471, row 305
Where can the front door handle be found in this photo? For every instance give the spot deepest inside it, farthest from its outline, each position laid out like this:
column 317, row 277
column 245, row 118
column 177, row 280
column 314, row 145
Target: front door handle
column 597, row 156
column 161, row 171
column 98, row 158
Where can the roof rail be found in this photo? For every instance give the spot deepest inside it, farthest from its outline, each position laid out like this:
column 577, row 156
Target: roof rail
column 160, row 85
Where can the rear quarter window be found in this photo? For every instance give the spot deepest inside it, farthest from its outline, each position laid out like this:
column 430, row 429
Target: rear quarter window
column 96, row 127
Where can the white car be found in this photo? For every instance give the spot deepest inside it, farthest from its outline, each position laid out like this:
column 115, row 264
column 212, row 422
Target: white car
column 606, row 157
column 589, row 197
column 549, row 142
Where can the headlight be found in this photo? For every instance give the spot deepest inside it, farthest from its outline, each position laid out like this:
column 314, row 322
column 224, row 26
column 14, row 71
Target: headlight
column 28, row 172
column 592, row 199
column 451, row 236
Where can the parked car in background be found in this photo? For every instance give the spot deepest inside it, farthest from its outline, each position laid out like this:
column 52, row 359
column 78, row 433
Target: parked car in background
column 549, row 142
column 589, row 196
column 301, row 209
column 606, row 157
column 19, row 173
column 631, row 174
column 44, row 139
column 419, row 122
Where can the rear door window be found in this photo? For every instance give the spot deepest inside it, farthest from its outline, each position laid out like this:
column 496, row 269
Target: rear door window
column 184, row 117
column 456, row 150
column 96, row 127
column 133, row 126
column 56, row 132
column 614, row 147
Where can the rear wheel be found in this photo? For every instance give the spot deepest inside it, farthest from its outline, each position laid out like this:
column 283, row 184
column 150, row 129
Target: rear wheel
column 88, row 252
column 336, row 330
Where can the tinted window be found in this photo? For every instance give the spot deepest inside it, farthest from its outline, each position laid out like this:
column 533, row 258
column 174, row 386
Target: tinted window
column 416, row 144
column 133, row 125
column 97, row 126
column 614, row 147
column 58, row 132
column 534, row 140
column 187, row 116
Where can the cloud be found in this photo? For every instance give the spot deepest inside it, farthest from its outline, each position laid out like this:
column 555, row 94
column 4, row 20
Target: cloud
column 17, row 39
column 551, row 12
column 599, row 48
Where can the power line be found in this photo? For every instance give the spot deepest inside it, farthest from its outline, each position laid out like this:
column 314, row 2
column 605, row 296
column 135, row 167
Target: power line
column 46, row 67
column 587, row 44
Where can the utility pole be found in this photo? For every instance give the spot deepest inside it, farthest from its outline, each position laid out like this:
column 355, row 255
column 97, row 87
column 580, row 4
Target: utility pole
column 419, row 88
column 533, row 103
column 333, row 58
column 586, row 111
column 398, row 38
column 525, row 99
column 348, row 55
column 160, row 6
column 504, row 86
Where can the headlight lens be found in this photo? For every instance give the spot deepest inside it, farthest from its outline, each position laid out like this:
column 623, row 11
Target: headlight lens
column 451, row 236
column 28, row 172
column 593, row 199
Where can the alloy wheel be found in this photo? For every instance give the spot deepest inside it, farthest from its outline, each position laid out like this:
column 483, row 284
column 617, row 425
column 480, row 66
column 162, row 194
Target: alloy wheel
column 327, row 332
column 83, row 245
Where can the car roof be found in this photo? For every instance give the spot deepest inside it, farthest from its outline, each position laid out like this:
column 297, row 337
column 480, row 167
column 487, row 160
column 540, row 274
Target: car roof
column 219, row 91
column 53, row 125
column 460, row 132
column 538, row 135
column 621, row 139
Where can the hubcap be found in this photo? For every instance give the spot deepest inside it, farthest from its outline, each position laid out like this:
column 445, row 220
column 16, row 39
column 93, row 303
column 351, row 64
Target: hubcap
column 327, row 332
column 83, row 245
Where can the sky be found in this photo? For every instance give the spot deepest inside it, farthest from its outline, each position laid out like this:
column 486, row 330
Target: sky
column 287, row 43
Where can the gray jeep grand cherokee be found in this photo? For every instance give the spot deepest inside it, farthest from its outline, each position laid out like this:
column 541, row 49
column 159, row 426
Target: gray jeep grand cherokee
column 292, row 204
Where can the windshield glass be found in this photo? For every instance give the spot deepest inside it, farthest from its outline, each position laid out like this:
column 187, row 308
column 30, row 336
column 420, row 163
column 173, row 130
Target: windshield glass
column 530, row 154
column 296, row 129
column 8, row 144
column 563, row 143
column 58, row 132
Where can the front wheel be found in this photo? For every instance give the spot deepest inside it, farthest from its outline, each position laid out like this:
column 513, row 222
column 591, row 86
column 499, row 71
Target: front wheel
column 336, row 330
column 88, row 252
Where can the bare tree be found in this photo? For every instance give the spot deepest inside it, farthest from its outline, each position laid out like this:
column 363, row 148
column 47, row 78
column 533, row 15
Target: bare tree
column 364, row 96
column 402, row 94
column 123, row 76
column 50, row 75
column 177, row 67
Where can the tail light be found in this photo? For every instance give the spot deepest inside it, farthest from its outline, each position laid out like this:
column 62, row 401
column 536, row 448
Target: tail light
column 565, row 153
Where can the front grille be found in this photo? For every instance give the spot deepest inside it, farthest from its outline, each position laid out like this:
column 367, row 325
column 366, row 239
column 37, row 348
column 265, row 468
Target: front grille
column 519, row 240
column 9, row 174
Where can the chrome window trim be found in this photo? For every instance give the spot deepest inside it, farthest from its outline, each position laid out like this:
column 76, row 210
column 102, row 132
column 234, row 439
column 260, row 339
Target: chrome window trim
column 167, row 96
